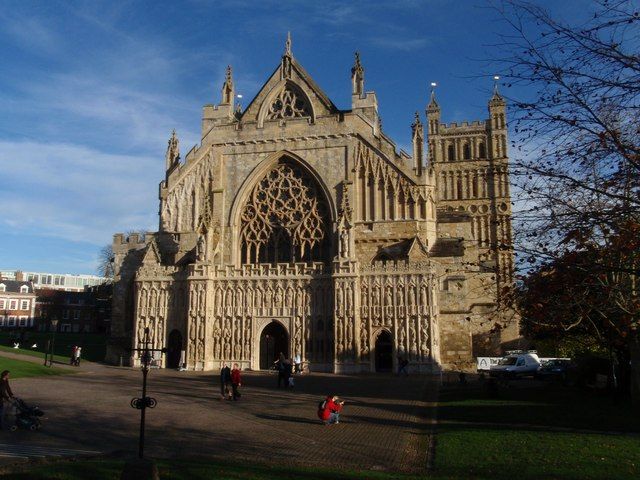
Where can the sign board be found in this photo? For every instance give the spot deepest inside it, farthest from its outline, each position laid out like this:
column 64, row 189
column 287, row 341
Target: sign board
column 484, row 363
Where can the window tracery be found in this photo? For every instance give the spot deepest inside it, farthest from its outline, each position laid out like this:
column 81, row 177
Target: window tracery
column 289, row 103
column 285, row 218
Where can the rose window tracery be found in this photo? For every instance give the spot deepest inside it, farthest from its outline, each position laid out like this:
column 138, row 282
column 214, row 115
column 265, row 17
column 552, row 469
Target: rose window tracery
column 289, row 103
column 285, row 218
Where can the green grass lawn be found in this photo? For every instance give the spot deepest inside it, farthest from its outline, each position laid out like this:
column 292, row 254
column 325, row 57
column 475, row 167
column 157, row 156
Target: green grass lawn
column 20, row 368
column 94, row 346
column 33, row 353
column 194, row 470
column 466, row 447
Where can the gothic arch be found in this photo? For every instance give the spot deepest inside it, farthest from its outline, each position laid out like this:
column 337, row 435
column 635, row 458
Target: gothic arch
column 293, row 100
column 251, row 183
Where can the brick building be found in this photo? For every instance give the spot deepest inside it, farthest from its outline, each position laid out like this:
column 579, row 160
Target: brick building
column 17, row 304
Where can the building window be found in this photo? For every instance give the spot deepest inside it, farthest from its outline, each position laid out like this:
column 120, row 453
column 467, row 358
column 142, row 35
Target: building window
column 452, row 153
column 24, row 304
column 482, row 151
column 12, row 321
column 1, row 304
column 65, row 314
column 466, row 151
column 24, row 289
column 13, row 305
column 1, row 320
column 23, row 322
column 76, row 314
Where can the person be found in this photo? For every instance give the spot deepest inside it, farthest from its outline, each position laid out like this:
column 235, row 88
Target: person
column 329, row 410
column 281, row 369
column 298, row 362
column 225, row 380
column 288, row 369
column 72, row 360
column 403, row 363
column 6, row 399
column 77, row 356
column 235, row 381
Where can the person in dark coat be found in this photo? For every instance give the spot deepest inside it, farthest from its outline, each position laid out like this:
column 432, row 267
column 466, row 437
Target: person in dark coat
column 288, row 371
column 225, row 380
column 236, row 381
column 280, row 363
column 6, row 399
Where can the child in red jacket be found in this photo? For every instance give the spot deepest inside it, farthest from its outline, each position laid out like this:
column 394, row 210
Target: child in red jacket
column 235, row 381
column 329, row 410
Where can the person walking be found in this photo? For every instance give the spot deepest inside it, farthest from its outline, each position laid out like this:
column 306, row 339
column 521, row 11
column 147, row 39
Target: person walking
column 72, row 360
column 329, row 410
column 281, row 370
column 236, row 381
column 225, row 381
column 298, row 363
column 288, row 370
column 403, row 363
column 78, row 352
column 6, row 399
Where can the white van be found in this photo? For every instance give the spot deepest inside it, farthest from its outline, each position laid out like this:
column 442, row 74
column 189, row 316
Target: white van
column 516, row 364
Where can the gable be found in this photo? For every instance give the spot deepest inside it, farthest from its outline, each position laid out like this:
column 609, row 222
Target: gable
column 288, row 82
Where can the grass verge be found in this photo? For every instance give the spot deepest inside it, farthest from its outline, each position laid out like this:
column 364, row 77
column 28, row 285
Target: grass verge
column 21, row 369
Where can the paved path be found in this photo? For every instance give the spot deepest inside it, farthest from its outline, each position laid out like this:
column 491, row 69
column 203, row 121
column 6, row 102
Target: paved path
column 385, row 426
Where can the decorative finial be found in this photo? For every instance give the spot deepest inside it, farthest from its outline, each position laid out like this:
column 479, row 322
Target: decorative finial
column 287, row 45
column 416, row 120
column 227, row 88
column 357, row 76
column 433, row 104
column 495, row 84
column 228, row 75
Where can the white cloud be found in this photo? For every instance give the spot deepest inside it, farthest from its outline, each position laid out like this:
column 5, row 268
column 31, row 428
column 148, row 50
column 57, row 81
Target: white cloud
column 75, row 192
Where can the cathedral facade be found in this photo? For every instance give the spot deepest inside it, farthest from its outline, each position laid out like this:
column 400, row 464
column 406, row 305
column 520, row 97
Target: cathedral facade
column 298, row 227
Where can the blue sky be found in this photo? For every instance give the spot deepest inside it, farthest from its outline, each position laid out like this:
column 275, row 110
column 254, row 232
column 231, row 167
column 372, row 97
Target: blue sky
column 90, row 91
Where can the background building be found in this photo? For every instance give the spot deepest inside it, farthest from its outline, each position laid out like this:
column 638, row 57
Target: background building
column 56, row 281
column 17, row 304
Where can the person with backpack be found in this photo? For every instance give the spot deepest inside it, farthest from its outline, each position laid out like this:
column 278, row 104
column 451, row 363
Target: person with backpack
column 225, row 380
column 329, row 410
column 235, row 381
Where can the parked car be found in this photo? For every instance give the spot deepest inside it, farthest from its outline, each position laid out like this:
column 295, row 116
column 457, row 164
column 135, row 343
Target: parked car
column 556, row 369
column 516, row 365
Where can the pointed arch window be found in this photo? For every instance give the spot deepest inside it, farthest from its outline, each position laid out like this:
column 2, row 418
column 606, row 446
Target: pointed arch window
column 285, row 218
column 291, row 102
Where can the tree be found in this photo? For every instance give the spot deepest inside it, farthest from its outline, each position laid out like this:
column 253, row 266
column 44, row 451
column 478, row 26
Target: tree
column 576, row 167
column 105, row 261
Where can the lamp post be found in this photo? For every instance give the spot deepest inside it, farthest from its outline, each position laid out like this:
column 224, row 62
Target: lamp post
column 54, row 325
column 143, row 469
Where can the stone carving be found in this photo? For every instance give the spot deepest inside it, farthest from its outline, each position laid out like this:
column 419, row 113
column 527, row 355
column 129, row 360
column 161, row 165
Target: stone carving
column 290, row 102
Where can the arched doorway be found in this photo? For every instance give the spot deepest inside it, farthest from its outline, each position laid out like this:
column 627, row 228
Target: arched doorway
column 174, row 349
column 384, row 352
column 273, row 340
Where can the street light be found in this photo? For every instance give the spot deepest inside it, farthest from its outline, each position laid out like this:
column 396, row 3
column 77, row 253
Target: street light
column 54, row 325
column 143, row 468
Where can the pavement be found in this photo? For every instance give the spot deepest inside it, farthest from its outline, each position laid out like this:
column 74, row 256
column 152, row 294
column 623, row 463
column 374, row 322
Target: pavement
column 386, row 424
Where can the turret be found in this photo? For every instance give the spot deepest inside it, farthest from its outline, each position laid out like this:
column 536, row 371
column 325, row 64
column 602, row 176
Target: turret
column 498, row 123
column 361, row 101
column 433, row 124
column 418, row 141
column 227, row 89
column 172, row 157
column 357, row 77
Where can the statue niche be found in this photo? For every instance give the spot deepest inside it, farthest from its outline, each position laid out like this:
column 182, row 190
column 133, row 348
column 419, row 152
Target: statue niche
column 286, row 218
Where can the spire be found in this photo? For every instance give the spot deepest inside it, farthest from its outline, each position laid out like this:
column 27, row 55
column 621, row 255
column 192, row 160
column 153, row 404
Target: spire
column 418, row 141
column 433, row 104
column 357, row 76
column 496, row 100
column 285, row 68
column 227, row 88
column 287, row 45
column 173, row 151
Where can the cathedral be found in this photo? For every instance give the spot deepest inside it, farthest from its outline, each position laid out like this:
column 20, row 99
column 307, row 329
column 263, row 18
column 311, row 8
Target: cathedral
column 299, row 227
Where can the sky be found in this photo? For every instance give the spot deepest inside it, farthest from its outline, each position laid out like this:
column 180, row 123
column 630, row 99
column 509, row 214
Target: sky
column 90, row 92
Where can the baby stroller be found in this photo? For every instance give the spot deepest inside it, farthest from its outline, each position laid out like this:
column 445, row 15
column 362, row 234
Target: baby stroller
column 27, row 417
